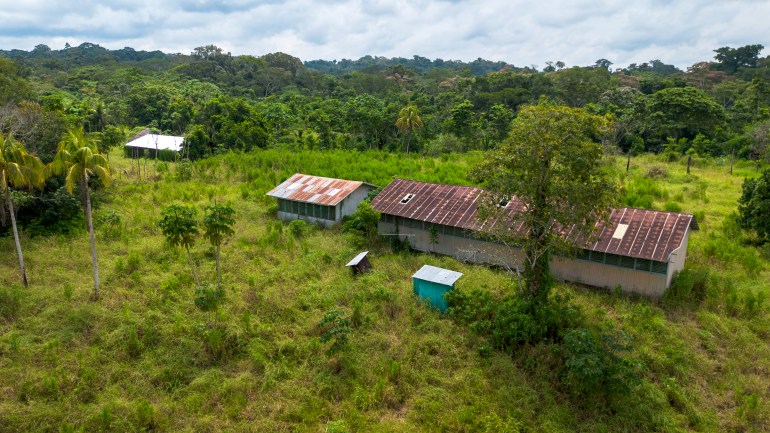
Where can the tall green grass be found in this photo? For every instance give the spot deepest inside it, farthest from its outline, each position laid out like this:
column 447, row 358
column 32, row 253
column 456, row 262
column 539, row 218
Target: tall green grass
column 144, row 358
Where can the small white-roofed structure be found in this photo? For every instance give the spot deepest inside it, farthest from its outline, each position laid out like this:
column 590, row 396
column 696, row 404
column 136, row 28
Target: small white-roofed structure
column 153, row 143
column 157, row 142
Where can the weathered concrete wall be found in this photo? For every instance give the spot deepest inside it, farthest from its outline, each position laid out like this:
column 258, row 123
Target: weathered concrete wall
column 351, row 202
column 288, row 216
column 563, row 269
column 678, row 256
column 608, row 276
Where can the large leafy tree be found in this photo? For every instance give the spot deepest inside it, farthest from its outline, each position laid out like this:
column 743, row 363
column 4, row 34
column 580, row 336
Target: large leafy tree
column 78, row 158
column 682, row 112
column 409, row 119
column 730, row 59
column 18, row 169
column 754, row 206
column 552, row 164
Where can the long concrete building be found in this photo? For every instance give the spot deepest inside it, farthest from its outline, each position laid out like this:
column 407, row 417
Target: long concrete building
column 639, row 250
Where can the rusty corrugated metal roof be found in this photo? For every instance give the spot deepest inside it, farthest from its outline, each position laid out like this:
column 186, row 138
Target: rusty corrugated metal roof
column 315, row 189
column 639, row 233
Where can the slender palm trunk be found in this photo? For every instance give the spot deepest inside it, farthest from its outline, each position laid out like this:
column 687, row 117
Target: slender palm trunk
column 219, row 276
column 90, row 222
column 192, row 266
column 408, row 142
column 9, row 202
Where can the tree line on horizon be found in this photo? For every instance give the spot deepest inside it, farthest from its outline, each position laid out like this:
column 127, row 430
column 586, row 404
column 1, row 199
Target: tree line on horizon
column 220, row 102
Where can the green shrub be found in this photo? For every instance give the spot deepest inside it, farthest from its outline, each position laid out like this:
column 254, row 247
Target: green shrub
column 111, row 224
column 688, row 287
column 336, row 426
column 335, row 326
column 512, row 321
column 184, row 170
column 363, row 221
column 299, row 229
column 672, row 207
column 219, row 343
column 593, row 362
column 641, row 192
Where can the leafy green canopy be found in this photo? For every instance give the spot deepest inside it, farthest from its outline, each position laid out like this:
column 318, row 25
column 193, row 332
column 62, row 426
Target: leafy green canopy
column 754, row 206
column 218, row 223
column 552, row 163
column 79, row 159
column 179, row 225
column 18, row 168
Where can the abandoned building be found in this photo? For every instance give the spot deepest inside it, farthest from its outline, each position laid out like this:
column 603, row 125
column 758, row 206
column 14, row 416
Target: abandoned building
column 638, row 250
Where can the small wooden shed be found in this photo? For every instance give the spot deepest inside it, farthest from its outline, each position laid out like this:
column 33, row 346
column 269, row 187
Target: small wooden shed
column 431, row 283
column 360, row 264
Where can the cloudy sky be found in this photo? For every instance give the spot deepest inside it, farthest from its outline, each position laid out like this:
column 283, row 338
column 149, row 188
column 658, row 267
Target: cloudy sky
column 521, row 32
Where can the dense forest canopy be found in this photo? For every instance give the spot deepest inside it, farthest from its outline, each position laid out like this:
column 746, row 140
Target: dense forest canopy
column 716, row 108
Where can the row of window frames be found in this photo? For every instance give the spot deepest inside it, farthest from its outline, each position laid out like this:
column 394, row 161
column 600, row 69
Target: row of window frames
column 623, row 261
column 307, row 209
column 588, row 255
column 440, row 229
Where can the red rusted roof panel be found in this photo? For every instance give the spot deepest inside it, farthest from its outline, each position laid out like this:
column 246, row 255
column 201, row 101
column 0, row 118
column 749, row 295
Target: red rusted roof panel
column 648, row 234
column 315, row 189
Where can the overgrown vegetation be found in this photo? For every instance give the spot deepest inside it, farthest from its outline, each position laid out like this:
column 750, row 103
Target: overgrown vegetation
column 287, row 339
column 154, row 354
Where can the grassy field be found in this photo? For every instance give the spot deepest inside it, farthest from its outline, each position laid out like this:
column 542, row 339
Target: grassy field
column 143, row 358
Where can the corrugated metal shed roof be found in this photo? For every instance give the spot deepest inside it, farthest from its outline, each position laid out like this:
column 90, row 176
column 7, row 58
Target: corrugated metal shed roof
column 155, row 141
column 648, row 234
column 437, row 275
column 315, row 189
column 357, row 258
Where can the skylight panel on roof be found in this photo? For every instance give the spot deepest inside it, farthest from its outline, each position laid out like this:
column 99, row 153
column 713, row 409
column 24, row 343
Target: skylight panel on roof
column 332, row 192
column 294, row 186
column 406, row 198
column 620, row 231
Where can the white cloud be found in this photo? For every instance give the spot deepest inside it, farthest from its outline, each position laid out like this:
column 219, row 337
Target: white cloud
column 521, row 32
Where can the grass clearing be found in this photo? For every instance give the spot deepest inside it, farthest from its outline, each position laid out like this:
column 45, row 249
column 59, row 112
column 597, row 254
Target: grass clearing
column 142, row 357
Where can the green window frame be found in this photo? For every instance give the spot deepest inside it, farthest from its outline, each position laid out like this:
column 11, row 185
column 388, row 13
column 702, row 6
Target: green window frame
column 659, row 267
column 627, row 262
column 643, row 265
column 583, row 255
column 612, row 259
column 596, row 257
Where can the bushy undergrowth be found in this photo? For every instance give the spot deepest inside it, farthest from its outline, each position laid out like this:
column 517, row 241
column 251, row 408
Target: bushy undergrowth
column 592, row 361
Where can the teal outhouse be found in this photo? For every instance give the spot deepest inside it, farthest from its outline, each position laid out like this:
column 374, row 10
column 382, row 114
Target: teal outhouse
column 431, row 283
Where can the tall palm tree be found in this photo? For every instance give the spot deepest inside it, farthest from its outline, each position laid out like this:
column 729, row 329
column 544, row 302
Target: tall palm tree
column 408, row 119
column 20, row 169
column 79, row 158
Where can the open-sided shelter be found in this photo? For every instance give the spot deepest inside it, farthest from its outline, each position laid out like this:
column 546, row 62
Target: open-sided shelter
column 638, row 250
column 165, row 147
column 318, row 199
column 360, row 264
